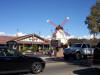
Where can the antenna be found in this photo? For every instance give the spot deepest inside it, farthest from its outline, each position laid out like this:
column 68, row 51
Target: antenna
column 17, row 31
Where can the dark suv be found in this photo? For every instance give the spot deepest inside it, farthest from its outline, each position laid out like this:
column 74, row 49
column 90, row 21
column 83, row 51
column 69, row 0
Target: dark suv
column 96, row 56
column 12, row 61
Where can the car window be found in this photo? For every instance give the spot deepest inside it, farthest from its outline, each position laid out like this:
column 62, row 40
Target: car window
column 1, row 53
column 8, row 52
column 84, row 46
column 76, row 45
column 88, row 45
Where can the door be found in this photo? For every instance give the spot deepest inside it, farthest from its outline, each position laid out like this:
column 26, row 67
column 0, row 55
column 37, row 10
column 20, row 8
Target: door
column 16, row 61
column 11, row 61
column 6, row 63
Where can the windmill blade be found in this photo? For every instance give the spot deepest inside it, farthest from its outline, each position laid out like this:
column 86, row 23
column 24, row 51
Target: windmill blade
column 66, row 33
column 51, row 23
column 67, row 18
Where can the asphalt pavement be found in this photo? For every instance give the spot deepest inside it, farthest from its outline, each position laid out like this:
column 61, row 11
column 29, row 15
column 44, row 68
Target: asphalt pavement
column 60, row 66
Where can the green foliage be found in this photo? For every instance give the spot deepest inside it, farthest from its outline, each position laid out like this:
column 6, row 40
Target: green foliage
column 24, row 48
column 93, row 20
column 57, row 49
column 34, row 48
column 11, row 52
column 92, row 42
column 44, row 49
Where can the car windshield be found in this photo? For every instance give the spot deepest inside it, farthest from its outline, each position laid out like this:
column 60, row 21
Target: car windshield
column 76, row 45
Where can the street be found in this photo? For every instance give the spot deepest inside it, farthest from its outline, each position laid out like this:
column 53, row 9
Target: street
column 68, row 67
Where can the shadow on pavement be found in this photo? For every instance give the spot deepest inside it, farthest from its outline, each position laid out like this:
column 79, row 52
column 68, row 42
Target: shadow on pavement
column 49, row 60
column 11, row 74
column 82, row 63
column 15, row 74
column 89, row 71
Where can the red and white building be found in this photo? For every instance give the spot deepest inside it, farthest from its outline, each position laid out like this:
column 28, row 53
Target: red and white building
column 28, row 40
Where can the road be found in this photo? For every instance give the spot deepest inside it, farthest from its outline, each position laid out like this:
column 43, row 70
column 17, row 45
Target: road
column 70, row 67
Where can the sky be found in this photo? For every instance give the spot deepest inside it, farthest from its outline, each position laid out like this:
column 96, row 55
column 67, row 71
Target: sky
column 29, row 16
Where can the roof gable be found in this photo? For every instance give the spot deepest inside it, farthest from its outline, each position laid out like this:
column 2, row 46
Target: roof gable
column 27, row 39
column 31, row 38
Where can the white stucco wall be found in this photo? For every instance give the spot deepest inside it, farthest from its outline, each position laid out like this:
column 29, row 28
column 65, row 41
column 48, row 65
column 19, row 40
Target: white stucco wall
column 60, row 35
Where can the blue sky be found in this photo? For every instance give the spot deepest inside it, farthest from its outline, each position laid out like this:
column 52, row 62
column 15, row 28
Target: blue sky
column 29, row 16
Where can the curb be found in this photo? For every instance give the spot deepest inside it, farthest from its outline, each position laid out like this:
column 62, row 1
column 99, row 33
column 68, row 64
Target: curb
column 53, row 64
column 53, row 60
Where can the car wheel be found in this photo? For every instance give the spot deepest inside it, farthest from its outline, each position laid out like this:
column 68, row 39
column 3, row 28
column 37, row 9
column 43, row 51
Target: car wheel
column 78, row 56
column 36, row 67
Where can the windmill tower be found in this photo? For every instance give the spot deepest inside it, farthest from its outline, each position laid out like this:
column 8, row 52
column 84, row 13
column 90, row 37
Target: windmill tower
column 59, row 33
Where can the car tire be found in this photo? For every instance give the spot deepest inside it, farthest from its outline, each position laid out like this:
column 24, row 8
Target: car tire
column 78, row 56
column 36, row 67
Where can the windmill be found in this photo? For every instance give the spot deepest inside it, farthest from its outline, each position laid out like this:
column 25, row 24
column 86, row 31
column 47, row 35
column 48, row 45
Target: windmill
column 59, row 33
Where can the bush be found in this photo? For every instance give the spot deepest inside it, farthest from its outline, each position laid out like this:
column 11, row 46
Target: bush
column 45, row 49
column 23, row 49
column 34, row 48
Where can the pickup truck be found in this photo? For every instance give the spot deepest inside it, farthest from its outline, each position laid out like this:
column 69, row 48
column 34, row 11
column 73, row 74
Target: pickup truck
column 78, row 51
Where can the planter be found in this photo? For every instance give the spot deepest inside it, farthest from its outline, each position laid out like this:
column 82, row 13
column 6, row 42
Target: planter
column 59, row 53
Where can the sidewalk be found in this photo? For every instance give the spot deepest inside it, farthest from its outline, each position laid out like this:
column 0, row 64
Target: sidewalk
column 50, row 59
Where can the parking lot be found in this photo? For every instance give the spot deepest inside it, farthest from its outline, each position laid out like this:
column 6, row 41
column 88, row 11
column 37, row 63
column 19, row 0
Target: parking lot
column 59, row 66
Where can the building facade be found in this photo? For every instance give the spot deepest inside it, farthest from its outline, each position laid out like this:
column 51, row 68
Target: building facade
column 27, row 40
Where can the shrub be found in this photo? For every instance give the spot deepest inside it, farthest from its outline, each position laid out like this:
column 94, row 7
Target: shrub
column 24, row 48
column 34, row 48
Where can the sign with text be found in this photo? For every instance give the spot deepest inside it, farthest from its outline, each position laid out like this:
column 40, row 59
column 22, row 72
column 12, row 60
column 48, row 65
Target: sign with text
column 55, row 43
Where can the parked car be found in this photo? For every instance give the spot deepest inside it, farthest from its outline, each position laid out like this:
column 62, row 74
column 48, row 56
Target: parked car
column 78, row 51
column 96, row 56
column 11, row 61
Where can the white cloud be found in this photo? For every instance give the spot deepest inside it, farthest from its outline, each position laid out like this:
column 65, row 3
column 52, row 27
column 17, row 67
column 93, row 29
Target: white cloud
column 2, row 33
column 19, row 34
column 69, row 37
column 47, row 37
column 98, row 36
column 89, row 37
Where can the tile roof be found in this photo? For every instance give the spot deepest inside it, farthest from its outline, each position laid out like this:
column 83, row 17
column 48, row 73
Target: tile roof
column 4, row 39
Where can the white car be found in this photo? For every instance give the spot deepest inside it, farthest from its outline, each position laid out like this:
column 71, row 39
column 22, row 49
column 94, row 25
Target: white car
column 78, row 51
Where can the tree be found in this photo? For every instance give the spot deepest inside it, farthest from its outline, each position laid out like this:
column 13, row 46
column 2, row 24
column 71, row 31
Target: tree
column 93, row 20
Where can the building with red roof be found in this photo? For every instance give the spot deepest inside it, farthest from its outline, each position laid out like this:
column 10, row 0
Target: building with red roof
column 28, row 40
